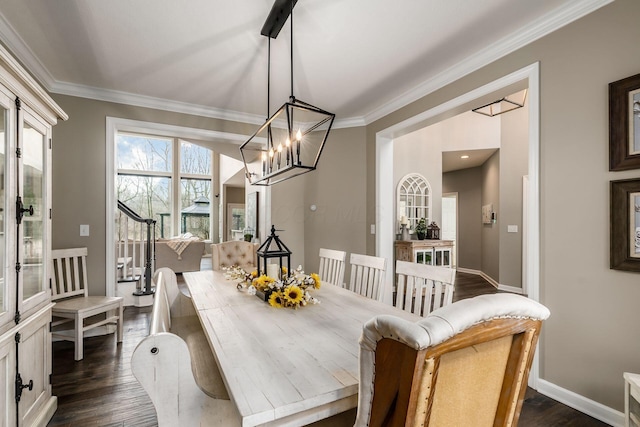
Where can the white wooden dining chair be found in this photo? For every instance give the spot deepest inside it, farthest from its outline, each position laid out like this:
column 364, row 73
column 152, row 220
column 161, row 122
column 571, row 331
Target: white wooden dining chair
column 367, row 275
column 422, row 288
column 72, row 302
column 332, row 266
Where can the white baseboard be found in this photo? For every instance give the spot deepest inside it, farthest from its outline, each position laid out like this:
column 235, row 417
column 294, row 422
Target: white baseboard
column 469, row 271
column 506, row 288
column 581, row 403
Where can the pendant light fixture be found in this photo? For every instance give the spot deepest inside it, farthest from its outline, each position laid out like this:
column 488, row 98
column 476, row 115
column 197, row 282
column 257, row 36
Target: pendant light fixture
column 503, row 105
column 291, row 140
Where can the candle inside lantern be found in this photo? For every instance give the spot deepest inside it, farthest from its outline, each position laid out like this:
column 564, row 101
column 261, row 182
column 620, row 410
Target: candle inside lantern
column 288, row 145
column 299, row 141
column 273, row 271
column 279, row 154
column 264, row 163
column 270, row 159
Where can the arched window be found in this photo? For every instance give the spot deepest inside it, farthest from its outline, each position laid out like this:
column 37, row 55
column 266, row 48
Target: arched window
column 414, row 199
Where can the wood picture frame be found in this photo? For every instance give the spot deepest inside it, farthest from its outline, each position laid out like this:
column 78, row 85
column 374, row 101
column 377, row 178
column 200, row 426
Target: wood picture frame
column 624, row 124
column 625, row 225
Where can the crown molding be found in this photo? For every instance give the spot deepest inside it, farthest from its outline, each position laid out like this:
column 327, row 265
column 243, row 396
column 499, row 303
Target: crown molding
column 534, row 31
column 152, row 102
column 352, row 122
column 539, row 28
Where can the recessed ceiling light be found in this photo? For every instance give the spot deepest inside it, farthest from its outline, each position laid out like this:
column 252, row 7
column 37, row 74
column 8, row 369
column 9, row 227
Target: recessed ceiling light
column 464, row 156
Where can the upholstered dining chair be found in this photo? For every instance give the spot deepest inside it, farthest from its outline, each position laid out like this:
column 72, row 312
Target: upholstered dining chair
column 234, row 252
column 465, row 364
column 332, row 266
column 422, row 288
column 367, row 275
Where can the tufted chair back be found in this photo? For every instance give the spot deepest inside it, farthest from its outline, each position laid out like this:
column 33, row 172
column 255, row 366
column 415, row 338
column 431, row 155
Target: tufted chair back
column 465, row 364
column 234, row 252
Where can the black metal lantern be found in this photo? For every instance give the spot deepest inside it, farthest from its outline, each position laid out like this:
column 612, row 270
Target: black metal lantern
column 273, row 248
column 290, row 142
column 433, row 231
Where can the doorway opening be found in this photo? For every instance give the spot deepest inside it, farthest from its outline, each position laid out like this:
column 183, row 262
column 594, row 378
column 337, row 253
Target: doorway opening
column 525, row 78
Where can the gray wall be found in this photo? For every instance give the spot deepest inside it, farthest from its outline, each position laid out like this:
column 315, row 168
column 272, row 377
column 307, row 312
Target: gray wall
column 490, row 232
column 235, row 194
column 514, row 157
column 337, row 189
column 466, row 183
column 589, row 341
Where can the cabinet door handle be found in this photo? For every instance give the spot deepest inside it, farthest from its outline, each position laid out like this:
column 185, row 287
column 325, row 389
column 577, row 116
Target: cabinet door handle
column 21, row 386
column 21, row 210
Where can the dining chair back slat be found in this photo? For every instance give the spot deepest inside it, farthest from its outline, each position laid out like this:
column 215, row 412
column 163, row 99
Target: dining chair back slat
column 421, row 288
column 332, row 266
column 367, row 275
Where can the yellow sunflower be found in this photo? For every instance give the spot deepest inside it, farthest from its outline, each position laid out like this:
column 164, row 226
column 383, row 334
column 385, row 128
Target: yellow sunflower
column 284, row 270
column 261, row 283
column 316, row 280
column 276, row 300
column 293, row 294
column 254, row 273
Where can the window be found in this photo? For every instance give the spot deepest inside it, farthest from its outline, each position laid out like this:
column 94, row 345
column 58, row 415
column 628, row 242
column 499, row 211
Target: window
column 151, row 184
column 414, row 199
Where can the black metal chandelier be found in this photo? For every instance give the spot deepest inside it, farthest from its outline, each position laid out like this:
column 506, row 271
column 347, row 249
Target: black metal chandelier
column 291, row 140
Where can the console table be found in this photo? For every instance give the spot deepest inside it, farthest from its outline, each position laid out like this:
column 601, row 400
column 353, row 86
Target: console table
column 432, row 252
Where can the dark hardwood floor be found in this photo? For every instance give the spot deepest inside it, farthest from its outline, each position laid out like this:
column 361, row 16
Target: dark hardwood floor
column 100, row 390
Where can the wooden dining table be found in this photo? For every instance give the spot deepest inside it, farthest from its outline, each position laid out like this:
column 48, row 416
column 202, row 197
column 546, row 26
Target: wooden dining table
column 285, row 366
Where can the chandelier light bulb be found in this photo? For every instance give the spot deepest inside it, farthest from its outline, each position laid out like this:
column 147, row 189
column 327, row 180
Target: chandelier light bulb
column 299, row 135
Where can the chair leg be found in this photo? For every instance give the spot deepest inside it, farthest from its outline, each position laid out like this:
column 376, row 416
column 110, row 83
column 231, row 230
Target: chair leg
column 120, row 322
column 79, row 323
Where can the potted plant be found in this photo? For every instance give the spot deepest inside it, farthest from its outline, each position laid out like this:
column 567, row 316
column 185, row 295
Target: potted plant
column 421, row 229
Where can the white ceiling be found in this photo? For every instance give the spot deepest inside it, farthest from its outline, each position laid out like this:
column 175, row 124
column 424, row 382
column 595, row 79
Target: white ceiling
column 453, row 161
column 358, row 58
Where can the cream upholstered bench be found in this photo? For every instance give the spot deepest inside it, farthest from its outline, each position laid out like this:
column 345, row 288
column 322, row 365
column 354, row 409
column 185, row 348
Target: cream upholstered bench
column 175, row 365
column 234, row 252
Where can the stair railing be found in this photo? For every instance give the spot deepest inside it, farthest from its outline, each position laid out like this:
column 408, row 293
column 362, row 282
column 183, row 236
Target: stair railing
column 142, row 236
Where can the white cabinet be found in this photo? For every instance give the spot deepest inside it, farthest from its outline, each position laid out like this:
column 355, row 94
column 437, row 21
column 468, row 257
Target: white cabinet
column 432, row 252
column 27, row 115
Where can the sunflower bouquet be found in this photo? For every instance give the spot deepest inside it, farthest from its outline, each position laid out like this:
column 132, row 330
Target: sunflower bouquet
column 292, row 290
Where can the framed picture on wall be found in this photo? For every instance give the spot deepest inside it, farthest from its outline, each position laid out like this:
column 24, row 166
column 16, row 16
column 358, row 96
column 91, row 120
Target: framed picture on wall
column 625, row 225
column 487, row 210
column 624, row 124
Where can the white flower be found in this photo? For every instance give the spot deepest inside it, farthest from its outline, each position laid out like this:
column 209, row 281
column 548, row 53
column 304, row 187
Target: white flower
column 251, row 290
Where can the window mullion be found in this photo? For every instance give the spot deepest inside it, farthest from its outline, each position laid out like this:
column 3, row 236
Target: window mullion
column 175, row 182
